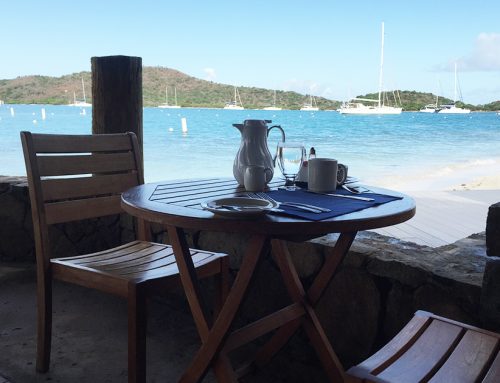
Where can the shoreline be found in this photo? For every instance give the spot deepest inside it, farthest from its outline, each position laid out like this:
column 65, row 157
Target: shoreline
column 155, row 106
column 472, row 175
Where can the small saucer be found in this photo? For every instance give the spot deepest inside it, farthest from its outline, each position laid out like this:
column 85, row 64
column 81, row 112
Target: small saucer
column 238, row 206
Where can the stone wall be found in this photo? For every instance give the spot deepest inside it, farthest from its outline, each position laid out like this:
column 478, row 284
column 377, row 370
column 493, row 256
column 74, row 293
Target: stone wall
column 381, row 283
column 379, row 286
column 16, row 228
column 493, row 231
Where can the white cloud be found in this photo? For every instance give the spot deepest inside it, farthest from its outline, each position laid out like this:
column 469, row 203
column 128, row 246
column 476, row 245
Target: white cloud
column 485, row 56
column 209, row 74
column 304, row 87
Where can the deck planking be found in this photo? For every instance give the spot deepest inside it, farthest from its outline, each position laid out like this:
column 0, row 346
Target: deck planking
column 444, row 217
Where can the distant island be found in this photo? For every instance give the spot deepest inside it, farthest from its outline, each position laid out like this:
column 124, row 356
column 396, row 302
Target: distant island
column 191, row 92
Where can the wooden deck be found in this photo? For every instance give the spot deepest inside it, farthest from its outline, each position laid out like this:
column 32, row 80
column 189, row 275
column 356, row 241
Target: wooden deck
column 445, row 217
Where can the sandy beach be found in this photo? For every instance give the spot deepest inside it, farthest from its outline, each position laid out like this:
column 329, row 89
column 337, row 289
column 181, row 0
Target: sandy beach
column 472, row 175
column 452, row 201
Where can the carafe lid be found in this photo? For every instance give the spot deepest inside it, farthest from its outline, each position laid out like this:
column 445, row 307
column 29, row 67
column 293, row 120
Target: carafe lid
column 257, row 122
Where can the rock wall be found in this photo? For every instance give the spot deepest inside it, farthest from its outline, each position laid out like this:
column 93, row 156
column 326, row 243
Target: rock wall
column 493, row 231
column 379, row 286
column 16, row 228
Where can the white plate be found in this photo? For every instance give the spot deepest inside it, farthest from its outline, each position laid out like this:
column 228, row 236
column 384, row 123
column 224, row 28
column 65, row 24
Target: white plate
column 238, row 206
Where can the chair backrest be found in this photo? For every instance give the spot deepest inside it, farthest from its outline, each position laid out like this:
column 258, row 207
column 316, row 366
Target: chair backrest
column 75, row 177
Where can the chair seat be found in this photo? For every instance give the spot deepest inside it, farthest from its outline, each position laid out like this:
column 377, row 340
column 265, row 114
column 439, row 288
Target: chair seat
column 135, row 262
column 434, row 349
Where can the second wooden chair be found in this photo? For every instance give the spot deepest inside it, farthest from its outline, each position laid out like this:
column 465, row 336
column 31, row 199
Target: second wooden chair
column 77, row 177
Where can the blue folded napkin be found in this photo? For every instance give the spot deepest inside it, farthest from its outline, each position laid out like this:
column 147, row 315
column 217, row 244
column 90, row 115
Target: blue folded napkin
column 337, row 205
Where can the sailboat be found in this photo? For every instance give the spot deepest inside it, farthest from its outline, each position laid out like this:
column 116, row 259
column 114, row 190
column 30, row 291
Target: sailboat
column 166, row 105
column 431, row 108
column 236, row 104
column 310, row 106
column 81, row 104
column 274, row 107
column 357, row 106
column 452, row 108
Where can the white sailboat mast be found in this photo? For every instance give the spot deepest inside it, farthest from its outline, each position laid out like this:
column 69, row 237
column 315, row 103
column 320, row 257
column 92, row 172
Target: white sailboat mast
column 166, row 95
column 83, row 87
column 237, row 97
column 175, row 95
column 455, row 93
column 380, row 77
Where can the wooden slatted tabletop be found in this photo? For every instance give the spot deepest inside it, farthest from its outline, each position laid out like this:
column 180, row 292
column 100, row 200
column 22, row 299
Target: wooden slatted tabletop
column 178, row 202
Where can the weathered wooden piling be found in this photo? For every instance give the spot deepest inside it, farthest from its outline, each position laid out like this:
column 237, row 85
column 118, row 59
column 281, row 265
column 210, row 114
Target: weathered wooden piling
column 117, row 95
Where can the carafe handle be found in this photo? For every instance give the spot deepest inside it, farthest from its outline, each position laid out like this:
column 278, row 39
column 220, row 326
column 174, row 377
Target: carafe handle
column 281, row 130
column 282, row 140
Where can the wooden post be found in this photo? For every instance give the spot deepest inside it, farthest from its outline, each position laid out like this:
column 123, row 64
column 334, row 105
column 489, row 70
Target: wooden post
column 117, row 96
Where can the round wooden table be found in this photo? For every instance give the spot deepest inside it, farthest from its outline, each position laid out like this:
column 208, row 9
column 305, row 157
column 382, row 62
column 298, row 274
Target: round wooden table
column 176, row 204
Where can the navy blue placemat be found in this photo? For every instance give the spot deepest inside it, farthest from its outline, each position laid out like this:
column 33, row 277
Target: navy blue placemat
column 338, row 205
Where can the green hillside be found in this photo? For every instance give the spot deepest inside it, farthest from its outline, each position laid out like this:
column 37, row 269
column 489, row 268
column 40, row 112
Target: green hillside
column 413, row 101
column 191, row 92
column 491, row 107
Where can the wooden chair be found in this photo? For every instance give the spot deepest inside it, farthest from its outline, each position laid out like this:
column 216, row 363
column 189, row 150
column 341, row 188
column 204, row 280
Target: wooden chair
column 76, row 177
column 433, row 349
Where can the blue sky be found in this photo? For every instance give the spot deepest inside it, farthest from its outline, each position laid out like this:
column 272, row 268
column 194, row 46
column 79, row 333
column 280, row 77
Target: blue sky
column 327, row 48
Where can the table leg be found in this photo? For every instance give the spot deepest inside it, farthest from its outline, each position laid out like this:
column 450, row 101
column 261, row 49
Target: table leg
column 189, row 280
column 213, row 339
column 222, row 366
column 310, row 299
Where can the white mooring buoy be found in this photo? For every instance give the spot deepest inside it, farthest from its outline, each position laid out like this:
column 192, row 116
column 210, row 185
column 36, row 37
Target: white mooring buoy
column 184, row 125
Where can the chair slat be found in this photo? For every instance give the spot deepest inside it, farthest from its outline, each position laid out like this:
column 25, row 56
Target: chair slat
column 123, row 249
column 469, row 359
column 426, row 354
column 173, row 270
column 112, row 284
column 161, row 263
column 43, row 143
column 66, row 188
column 493, row 375
column 85, row 164
column 67, row 211
column 397, row 346
column 119, row 260
column 153, row 261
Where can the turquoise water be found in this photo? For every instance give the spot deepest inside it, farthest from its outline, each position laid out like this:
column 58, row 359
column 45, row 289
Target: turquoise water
column 372, row 146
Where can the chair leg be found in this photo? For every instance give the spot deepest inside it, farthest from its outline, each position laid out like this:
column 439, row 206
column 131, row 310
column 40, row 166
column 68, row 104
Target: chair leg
column 221, row 286
column 44, row 323
column 222, row 368
column 137, row 321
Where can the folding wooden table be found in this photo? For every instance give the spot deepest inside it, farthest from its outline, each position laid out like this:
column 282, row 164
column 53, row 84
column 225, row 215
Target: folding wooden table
column 176, row 204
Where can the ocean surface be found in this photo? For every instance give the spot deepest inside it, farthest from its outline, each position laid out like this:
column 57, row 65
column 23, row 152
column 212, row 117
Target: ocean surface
column 384, row 150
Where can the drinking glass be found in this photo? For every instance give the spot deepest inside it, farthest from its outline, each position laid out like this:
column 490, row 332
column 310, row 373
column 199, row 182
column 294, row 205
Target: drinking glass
column 290, row 158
